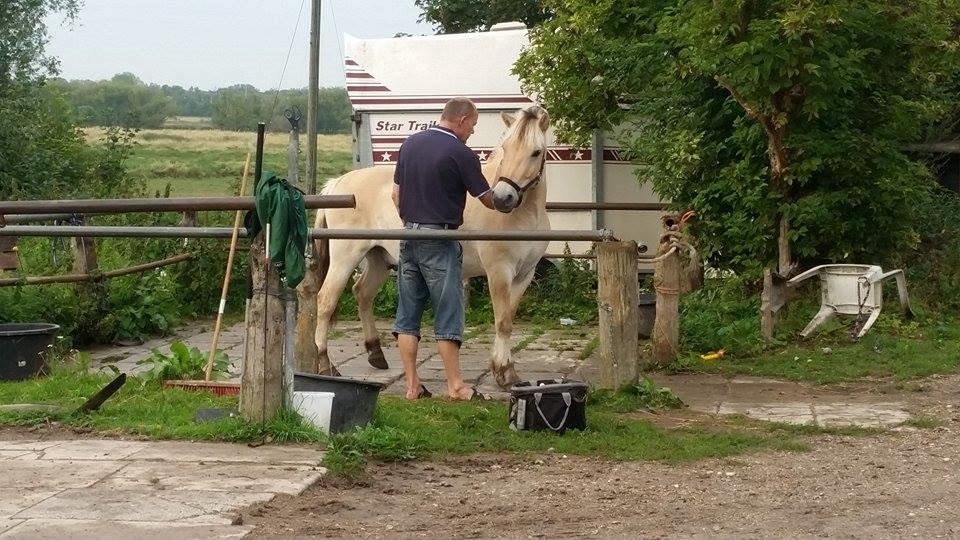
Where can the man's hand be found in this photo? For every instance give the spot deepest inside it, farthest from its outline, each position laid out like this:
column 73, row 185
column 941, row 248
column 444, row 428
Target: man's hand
column 487, row 199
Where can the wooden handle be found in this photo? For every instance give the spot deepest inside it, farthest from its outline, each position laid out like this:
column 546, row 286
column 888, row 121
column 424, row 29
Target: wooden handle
column 226, row 277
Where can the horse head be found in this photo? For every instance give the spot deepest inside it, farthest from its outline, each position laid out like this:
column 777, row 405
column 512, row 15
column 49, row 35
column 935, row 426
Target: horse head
column 523, row 156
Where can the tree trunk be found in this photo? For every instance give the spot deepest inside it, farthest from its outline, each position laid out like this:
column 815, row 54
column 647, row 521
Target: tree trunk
column 785, row 258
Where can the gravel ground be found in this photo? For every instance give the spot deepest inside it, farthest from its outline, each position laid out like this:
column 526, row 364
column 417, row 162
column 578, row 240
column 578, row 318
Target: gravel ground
column 902, row 483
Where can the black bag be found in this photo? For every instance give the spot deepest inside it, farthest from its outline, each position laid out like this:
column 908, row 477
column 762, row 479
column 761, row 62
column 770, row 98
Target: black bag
column 550, row 404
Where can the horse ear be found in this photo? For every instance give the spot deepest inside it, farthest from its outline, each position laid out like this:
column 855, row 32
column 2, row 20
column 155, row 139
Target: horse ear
column 508, row 118
column 544, row 122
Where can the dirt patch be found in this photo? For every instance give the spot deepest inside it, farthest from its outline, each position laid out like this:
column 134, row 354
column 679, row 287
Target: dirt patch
column 897, row 484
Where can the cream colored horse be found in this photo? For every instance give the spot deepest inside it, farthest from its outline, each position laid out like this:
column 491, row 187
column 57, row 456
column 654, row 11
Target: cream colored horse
column 513, row 170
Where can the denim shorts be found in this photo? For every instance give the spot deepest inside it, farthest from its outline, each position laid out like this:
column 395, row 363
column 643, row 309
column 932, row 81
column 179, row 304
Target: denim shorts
column 430, row 270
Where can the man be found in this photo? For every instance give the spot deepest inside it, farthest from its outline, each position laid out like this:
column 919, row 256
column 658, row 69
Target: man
column 435, row 171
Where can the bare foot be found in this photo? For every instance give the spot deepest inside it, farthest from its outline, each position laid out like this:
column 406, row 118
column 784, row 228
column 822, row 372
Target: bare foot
column 418, row 392
column 464, row 393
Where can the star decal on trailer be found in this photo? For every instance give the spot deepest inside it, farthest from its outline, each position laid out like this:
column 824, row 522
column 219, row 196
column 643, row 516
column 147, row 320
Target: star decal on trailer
column 385, row 156
column 578, row 155
column 482, row 155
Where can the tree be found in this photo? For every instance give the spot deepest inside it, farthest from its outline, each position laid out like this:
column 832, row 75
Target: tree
column 123, row 101
column 782, row 123
column 42, row 153
column 40, row 150
column 241, row 107
column 23, row 36
column 456, row 16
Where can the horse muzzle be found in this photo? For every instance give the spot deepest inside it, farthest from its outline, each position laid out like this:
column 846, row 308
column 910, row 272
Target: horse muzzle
column 506, row 196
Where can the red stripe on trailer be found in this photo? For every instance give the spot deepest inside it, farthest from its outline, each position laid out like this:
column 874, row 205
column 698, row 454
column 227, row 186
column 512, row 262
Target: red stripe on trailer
column 358, row 75
column 402, row 101
column 355, row 88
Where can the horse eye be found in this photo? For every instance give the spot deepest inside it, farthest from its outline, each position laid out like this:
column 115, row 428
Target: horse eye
column 536, row 153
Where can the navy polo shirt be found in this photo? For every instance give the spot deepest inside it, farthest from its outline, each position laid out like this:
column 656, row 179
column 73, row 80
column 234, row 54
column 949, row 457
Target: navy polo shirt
column 435, row 171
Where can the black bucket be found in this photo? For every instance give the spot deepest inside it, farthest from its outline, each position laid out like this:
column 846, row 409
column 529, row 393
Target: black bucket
column 646, row 315
column 353, row 401
column 23, row 347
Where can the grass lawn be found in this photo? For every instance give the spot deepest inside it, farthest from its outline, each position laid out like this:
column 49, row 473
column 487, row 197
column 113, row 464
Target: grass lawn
column 210, row 162
column 402, row 430
column 891, row 349
column 142, row 408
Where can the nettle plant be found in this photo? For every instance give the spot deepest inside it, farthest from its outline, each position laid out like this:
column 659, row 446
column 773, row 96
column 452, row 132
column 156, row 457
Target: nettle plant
column 184, row 363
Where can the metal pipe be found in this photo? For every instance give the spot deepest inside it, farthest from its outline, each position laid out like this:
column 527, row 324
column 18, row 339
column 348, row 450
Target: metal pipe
column 180, row 204
column 342, row 234
column 16, row 219
column 258, row 163
column 605, row 206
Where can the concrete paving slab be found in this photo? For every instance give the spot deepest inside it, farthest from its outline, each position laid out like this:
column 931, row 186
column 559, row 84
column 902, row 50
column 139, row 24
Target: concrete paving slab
column 17, row 499
column 878, row 415
column 92, row 449
column 229, row 477
column 28, row 445
column 57, row 529
column 7, row 524
column 52, row 475
column 208, row 507
column 789, row 413
column 228, row 453
column 10, row 454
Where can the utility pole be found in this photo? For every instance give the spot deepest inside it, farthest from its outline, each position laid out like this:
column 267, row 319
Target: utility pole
column 313, row 97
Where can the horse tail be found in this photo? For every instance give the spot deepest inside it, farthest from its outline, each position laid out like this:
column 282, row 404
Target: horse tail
column 321, row 246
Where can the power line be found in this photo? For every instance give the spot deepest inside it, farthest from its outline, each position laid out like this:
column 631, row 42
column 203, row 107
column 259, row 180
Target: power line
column 293, row 38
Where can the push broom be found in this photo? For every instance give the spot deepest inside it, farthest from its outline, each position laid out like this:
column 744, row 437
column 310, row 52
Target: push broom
column 217, row 387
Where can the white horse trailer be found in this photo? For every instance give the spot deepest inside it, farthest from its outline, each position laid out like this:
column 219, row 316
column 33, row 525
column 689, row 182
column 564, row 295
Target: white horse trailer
column 398, row 86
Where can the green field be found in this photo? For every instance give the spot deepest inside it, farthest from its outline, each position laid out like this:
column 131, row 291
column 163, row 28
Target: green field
column 210, row 162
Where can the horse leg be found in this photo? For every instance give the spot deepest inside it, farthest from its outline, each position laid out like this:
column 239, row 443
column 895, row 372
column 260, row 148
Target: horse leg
column 501, row 363
column 339, row 273
column 365, row 290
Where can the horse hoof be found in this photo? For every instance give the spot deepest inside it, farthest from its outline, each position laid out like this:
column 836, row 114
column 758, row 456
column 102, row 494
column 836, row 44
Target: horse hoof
column 325, row 366
column 375, row 355
column 506, row 377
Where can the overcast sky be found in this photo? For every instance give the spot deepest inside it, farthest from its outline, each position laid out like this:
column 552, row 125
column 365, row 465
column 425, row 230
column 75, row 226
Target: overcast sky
column 216, row 43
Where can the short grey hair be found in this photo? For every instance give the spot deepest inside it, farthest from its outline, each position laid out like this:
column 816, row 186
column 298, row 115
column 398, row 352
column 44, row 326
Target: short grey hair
column 457, row 108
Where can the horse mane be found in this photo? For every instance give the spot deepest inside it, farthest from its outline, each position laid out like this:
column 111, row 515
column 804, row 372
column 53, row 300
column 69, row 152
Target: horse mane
column 526, row 126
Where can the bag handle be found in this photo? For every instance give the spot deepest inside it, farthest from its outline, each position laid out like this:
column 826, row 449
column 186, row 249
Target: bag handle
column 566, row 399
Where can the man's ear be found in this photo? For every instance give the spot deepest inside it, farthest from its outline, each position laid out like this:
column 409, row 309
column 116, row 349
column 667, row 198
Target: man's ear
column 508, row 118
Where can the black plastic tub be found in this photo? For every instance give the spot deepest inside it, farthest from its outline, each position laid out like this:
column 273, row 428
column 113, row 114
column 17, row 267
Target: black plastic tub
column 354, row 401
column 23, row 348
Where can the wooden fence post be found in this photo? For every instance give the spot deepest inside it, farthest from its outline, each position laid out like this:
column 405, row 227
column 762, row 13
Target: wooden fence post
column 261, row 386
column 306, row 356
column 618, row 296
column 84, row 252
column 666, row 281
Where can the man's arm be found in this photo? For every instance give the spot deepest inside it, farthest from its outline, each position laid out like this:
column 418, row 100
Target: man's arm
column 487, row 199
column 396, row 197
column 472, row 176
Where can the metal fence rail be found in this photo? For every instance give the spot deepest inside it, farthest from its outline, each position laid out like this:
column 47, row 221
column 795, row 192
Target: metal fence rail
column 176, row 204
column 605, row 206
column 345, row 234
